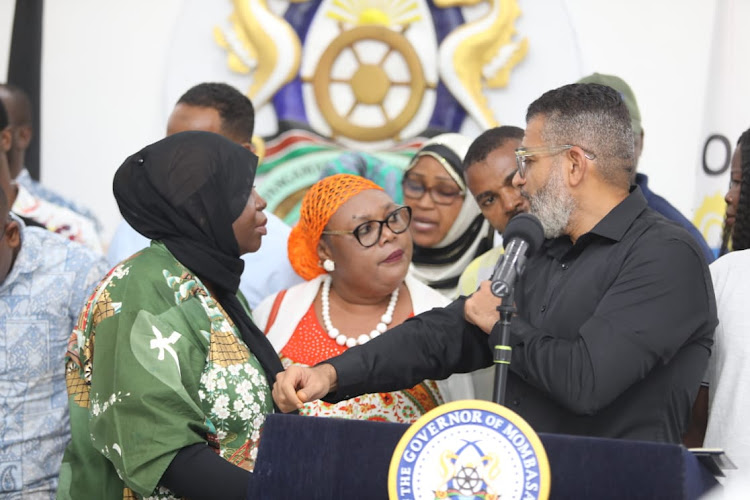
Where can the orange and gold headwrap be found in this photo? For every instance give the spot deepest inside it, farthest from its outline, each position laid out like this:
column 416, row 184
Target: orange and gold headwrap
column 320, row 202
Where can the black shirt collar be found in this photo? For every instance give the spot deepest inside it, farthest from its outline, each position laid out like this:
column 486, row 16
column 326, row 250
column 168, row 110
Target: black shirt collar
column 615, row 224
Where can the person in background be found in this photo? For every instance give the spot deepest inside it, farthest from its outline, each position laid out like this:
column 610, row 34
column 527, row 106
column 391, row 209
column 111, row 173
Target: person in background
column 736, row 235
column 615, row 311
column 489, row 168
column 44, row 282
column 31, row 199
column 447, row 226
column 353, row 245
column 655, row 201
column 168, row 377
column 223, row 110
column 724, row 401
column 737, row 220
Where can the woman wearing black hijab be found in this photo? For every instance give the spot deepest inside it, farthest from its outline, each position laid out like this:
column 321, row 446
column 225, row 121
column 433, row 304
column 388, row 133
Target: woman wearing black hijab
column 173, row 401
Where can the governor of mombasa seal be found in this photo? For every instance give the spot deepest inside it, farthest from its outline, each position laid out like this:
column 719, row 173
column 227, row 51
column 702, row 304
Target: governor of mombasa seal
column 469, row 450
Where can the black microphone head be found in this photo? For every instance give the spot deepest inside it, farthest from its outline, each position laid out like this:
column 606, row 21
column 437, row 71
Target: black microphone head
column 526, row 227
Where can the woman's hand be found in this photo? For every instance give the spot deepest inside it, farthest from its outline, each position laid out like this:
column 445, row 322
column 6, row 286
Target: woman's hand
column 300, row 384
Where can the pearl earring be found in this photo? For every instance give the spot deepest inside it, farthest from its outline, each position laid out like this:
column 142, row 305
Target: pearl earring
column 329, row 265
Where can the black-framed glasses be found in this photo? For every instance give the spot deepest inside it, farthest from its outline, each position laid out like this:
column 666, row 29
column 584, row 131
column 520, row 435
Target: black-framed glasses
column 442, row 194
column 523, row 153
column 369, row 233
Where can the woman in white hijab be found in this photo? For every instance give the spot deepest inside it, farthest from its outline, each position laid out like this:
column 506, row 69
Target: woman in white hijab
column 447, row 226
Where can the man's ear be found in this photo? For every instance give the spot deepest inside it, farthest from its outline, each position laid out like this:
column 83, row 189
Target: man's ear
column 578, row 167
column 6, row 139
column 638, row 144
column 13, row 235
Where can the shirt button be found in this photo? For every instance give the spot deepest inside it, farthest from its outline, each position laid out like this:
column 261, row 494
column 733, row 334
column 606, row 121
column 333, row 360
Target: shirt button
column 564, row 266
column 543, row 308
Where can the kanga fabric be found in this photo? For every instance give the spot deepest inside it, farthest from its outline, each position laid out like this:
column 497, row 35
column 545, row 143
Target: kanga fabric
column 266, row 271
column 298, row 335
column 186, row 191
column 155, row 364
column 39, row 303
column 318, row 206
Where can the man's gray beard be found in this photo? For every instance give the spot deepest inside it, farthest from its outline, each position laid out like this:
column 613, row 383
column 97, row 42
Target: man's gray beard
column 553, row 205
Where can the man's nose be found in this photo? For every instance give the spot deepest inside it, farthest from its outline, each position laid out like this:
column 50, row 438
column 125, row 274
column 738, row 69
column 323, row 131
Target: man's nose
column 513, row 200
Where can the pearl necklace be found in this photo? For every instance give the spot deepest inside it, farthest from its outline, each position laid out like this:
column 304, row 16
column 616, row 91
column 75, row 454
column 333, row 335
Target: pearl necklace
column 342, row 339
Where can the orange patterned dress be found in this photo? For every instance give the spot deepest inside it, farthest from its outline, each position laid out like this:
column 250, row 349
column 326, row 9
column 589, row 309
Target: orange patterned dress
column 310, row 344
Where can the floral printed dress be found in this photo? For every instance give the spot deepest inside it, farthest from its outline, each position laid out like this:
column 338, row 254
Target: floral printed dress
column 155, row 365
column 310, row 345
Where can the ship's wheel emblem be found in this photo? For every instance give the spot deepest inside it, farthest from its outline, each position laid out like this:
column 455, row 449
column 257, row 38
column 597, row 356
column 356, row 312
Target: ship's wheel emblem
column 370, row 82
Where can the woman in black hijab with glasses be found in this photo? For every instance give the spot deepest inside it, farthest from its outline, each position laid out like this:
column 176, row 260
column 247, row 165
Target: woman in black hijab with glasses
column 173, row 400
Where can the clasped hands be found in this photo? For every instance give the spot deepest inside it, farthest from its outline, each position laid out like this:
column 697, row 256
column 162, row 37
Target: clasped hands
column 300, row 384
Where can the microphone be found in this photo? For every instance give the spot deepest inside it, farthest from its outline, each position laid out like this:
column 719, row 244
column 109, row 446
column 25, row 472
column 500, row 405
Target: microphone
column 522, row 237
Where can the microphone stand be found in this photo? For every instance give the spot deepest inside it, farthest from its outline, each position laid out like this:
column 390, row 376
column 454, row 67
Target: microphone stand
column 523, row 235
column 500, row 338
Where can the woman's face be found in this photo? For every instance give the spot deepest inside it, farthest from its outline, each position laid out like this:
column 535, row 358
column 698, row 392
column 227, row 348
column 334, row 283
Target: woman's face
column 427, row 181
column 733, row 195
column 250, row 226
column 379, row 268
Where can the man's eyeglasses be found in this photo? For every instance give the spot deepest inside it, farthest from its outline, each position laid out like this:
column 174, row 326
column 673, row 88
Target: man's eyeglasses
column 440, row 194
column 369, row 233
column 523, row 153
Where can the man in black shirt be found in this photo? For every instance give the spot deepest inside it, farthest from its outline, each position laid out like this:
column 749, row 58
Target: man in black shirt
column 616, row 312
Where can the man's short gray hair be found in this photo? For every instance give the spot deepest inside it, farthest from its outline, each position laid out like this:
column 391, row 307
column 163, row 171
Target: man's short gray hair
column 595, row 118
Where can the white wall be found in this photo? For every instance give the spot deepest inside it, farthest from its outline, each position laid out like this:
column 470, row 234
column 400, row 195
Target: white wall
column 102, row 92
column 104, row 70
column 6, row 26
column 661, row 48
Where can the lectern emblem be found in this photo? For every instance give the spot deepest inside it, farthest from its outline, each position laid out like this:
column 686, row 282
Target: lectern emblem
column 467, row 472
column 469, row 450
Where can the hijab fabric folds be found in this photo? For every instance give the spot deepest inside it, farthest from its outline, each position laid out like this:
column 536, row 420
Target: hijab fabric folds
column 186, row 190
column 470, row 235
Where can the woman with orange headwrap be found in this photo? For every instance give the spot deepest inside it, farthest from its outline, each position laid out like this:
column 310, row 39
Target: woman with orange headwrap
column 353, row 246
